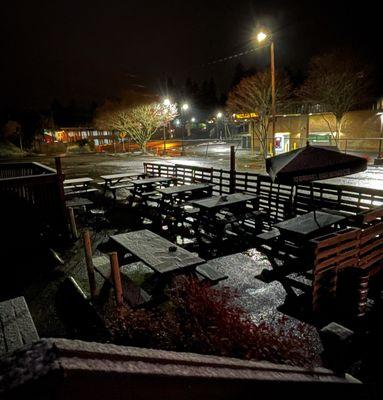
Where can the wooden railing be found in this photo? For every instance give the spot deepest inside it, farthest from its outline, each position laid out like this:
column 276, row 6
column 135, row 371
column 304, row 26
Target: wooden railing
column 35, row 189
column 347, row 264
column 280, row 201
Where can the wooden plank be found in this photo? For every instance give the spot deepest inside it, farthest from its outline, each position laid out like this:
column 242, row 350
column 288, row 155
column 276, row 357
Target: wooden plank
column 17, row 327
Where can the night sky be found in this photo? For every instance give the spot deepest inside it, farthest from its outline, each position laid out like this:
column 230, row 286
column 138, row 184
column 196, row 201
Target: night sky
column 90, row 50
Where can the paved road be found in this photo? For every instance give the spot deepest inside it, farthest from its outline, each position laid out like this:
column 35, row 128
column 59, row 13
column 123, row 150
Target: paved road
column 94, row 165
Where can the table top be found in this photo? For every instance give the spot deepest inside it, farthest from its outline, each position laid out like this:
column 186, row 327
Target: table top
column 148, row 181
column 184, row 188
column 309, row 224
column 118, row 176
column 153, row 250
column 216, row 202
column 77, row 180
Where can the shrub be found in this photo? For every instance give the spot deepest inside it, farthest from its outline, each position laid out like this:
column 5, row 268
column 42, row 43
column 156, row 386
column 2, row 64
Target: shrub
column 201, row 319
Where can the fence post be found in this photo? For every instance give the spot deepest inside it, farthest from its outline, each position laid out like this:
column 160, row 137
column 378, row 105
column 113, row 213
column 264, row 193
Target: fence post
column 232, row 169
column 89, row 264
column 61, row 193
column 72, row 222
column 116, row 277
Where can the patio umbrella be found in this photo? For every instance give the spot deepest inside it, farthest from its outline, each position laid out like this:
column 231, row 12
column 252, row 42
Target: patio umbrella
column 311, row 163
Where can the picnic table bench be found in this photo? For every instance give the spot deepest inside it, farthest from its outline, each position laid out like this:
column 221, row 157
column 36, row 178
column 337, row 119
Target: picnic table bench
column 178, row 192
column 79, row 202
column 16, row 325
column 133, row 294
column 78, row 185
column 144, row 188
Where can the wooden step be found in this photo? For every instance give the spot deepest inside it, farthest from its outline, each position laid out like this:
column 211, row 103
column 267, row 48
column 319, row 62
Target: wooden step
column 210, row 273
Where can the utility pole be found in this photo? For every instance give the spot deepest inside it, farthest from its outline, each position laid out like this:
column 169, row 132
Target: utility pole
column 272, row 67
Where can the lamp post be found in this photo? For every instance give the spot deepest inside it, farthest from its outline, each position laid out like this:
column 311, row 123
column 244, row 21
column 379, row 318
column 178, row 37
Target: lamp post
column 219, row 116
column 184, row 108
column 261, row 37
column 167, row 103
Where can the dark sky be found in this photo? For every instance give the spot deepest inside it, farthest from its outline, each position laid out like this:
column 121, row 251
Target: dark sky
column 84, row 50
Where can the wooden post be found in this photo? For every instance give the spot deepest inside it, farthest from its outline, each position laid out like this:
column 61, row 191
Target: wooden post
column 232, row 169
column 116, row 277
column 61, row 195
column 89, row 264
column 72, row 221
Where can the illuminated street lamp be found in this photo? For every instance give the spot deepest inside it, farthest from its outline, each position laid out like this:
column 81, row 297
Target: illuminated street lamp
column 192, row 119
column 184, row 108
column 219, row 116
column 261, row 37
column 167, row 103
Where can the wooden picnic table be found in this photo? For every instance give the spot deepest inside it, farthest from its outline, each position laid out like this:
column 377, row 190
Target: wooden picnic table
column 78, row 182
column 306, row 226
column 179, row 192
column 216, row 203
column 78, row 185
column 161, row 255
column 151, row 181
column 118, row 181
column 175, row 190
column 117, row 178
column 217, row 213
column 147, row 186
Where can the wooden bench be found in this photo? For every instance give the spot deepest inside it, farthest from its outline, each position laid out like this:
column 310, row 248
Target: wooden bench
column 207, row 272
column 16, row 325
column 73, row 191
column 267, row 237
column 132, row 293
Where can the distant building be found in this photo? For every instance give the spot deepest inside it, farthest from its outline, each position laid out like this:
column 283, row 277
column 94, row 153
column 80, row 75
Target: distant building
column 74, row 134
column 361, row 131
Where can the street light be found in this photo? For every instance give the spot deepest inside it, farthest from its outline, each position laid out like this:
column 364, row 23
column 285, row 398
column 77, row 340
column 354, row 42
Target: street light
column 167, row 103
column 193, row 119
column 219, row 116
column 261, row 37
column 184, row 108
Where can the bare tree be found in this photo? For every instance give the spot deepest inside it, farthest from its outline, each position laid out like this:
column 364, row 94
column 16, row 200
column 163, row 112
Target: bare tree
column 338, row 82
column 140, row 121
column 253, row 95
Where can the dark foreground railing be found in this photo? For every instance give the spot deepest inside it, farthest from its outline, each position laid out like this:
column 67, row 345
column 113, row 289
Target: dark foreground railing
column 33, row 191
column 77, row 370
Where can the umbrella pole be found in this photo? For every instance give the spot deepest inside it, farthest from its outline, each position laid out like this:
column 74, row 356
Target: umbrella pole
column 312, row 202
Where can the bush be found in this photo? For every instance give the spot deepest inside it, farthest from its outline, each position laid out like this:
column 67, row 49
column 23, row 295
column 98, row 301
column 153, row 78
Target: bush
column 201, row 319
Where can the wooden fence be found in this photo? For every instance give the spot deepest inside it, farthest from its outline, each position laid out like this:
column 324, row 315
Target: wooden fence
column 278, row 200
column 347, row 264
column 33, row 191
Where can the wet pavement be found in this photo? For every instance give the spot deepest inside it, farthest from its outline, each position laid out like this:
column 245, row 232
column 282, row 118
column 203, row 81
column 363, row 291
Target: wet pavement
column 96, row 164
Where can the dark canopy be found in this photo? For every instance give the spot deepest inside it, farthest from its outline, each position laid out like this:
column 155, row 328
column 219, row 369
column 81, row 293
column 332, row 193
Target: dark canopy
column 311, row 163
